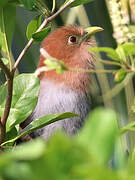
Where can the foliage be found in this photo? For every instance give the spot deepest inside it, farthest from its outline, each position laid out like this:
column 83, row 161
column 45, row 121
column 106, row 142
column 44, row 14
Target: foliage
column 68, row 158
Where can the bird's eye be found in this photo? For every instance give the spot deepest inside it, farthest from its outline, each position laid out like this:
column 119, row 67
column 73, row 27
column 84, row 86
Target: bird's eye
column 72, row 39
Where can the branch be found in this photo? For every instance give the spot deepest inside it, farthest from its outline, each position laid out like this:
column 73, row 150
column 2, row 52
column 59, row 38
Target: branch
column 5, row 68
column 3, row 120
column 45, row 22
column 92, row 71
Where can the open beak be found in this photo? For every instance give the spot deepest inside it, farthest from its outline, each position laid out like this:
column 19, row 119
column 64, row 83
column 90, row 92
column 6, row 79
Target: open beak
column 91, row 31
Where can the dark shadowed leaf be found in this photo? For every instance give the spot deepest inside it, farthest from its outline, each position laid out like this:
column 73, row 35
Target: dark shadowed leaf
column 11, row 134
column 28, row 4
column 3, row 3
column 7, row 22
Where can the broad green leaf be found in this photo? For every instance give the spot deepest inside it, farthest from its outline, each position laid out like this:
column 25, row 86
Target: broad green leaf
column 39, row 36
column 7, row 23
column 120, row 75
column 28, row 4
column 121, row 53
column 129, row 48
column 41, row 122
column 78, row 2
column 64, row 157
column 27, row 151
column 3, row 93
column 33, row 26
column 24, row 100
column 110, row 52
column 99, row 134
column 68, row 160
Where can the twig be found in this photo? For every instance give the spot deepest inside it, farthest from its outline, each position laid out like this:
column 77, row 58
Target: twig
column 5, row 68
column 109, row 62
column 113, row 92
column 54, row 5
column 91, row 70
column 46, row 21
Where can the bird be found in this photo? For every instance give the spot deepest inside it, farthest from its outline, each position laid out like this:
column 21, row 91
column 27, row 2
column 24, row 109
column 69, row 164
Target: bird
column 69, row 91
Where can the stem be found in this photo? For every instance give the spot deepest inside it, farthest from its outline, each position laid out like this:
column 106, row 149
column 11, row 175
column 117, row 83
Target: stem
column 109, row 62
column 54, row 5
column 2, row 132
column 3, row 120
column 5, row 68
column 8, row 100
column 113, row 92
column 91, row 70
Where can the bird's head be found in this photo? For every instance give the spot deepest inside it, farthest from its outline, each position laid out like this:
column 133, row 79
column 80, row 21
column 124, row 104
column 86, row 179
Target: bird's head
column 69, row 44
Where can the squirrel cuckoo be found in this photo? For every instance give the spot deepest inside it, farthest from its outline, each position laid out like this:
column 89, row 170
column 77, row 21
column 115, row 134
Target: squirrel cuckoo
column 70, row 91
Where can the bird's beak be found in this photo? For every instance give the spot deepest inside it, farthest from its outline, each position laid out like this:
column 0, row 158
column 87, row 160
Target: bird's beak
column 91, row 31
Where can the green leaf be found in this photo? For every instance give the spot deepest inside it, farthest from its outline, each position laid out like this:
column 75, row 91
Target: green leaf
column 15, row 2
column 129, row 48
column 78, row 2
column 7, row 23
column 39, row 36
column 110, row 52
column 120, row 75
column 120, row 51
column 41, row 122
column 24, row 100
column 27, row 151
column 33, row 26
column 55, row 64
column 3, row 93
column 11, row 134
column 4, row 60
column 28, row 4
column 99, row 134
column 3, row 3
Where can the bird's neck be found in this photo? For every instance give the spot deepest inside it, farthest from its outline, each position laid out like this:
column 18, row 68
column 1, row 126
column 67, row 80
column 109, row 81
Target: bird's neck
column 76, row 80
